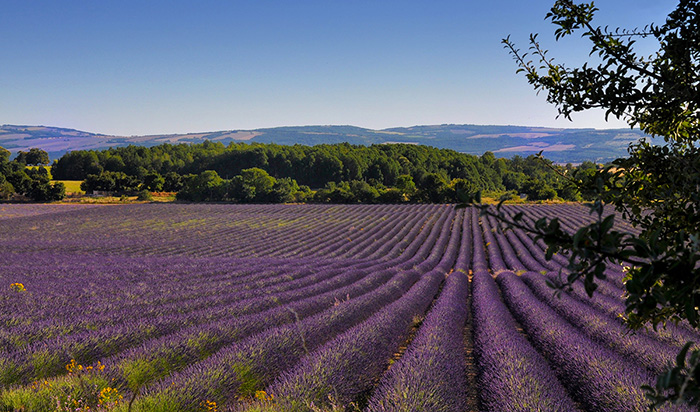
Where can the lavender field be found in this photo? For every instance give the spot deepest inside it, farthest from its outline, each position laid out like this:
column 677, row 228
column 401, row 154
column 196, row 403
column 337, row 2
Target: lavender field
column 177, row 307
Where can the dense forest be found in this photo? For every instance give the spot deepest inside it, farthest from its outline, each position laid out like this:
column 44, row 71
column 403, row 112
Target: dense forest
column 271, row 173
column 338, row 173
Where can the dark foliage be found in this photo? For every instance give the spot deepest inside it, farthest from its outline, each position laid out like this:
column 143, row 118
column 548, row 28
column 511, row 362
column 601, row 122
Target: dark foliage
column 32, row 183
column 656, row 188
column 341, row 173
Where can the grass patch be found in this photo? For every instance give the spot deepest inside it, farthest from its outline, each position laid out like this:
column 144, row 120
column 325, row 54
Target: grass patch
column 45, row 395
column 72, row 186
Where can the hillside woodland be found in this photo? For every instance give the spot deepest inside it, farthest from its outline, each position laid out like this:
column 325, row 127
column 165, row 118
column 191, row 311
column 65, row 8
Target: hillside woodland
column 337, row 173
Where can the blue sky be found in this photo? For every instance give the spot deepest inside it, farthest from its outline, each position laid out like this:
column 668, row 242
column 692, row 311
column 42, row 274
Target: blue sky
column 149, row 67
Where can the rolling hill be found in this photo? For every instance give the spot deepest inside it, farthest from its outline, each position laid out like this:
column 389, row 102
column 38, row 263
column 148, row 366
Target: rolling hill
column 559, row 145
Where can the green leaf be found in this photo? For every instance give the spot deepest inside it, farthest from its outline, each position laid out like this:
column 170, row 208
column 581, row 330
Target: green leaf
column 680, row 359
column 607, row 223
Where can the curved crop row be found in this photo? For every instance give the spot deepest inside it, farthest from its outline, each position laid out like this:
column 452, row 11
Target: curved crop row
column 309, row 307
column 599, row 378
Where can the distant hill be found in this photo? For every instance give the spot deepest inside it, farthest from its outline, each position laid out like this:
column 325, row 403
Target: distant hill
column 559, row 145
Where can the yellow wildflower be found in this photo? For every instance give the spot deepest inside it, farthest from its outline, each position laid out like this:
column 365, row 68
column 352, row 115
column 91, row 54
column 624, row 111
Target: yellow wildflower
column 109, row 396
column 70, row 367
column 263, row 396
column 210, row 406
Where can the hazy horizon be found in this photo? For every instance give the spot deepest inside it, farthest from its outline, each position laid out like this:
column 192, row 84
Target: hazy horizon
column 133, row 68
column 612, row 127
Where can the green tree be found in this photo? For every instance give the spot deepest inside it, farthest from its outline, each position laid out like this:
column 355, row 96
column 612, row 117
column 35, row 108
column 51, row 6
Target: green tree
column 363, row 192
column 99, row 182
column 21, row 157
column 32, row 183
column 462, row 189
column 656, row 187
column 43, row 191
column 253, row 185
column 537, row 189
column 323, row 167
column 37, row 156
column 6, row 188
column 405, row 185
column 284, row 190
column 118, row 182
column 76, row 165
column 4, row 155
column 20, row 180
column 392, row 195
column 304, row 194
column 113, row 163
column 488, row 158
column 514, row 180
column 207, row 185
column 434, row 188
column 153, row 182
column 172, row 182
column 259, row 179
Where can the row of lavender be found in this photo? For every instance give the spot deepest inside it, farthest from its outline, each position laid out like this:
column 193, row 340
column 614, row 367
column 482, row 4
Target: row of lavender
column 592, row 360
column 200, row 314
column 202, row 230
column 583, row 340
column 211, row 304
column 160, row 279
column 543, row 372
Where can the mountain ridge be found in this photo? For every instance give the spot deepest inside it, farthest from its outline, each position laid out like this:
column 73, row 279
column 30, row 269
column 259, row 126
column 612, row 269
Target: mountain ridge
column 558, row 144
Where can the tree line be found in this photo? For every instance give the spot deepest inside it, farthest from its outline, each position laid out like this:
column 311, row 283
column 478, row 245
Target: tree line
column 33, row 183
column 338, row 173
